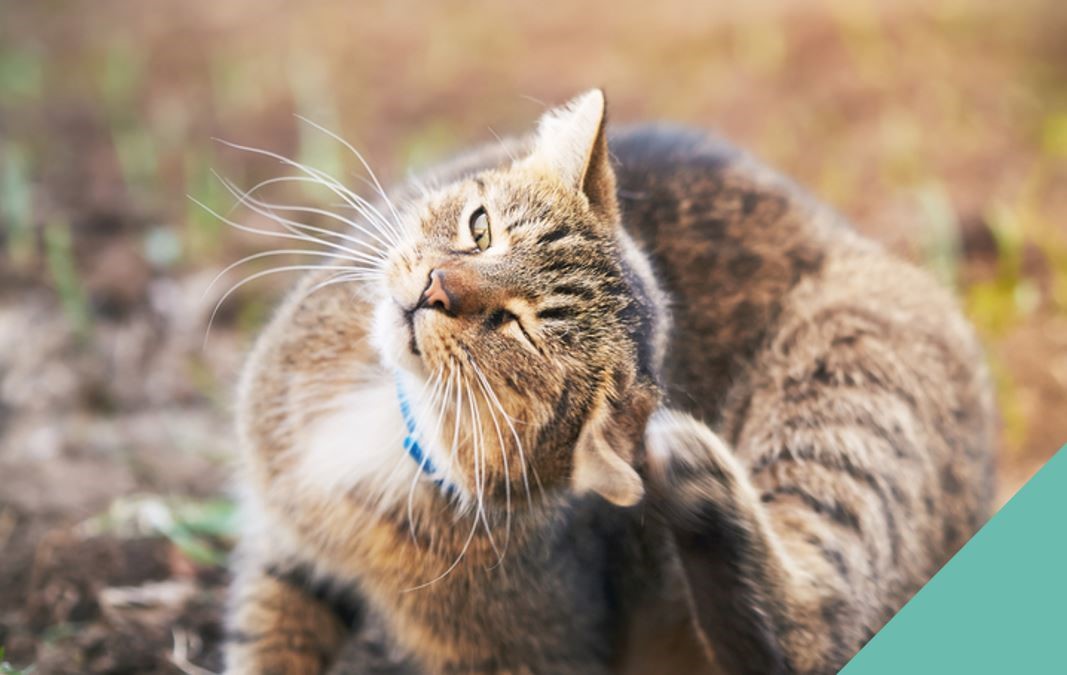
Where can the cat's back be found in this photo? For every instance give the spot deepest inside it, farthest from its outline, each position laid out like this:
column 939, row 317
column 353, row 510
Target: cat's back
column 793, row 334
column 728, row 240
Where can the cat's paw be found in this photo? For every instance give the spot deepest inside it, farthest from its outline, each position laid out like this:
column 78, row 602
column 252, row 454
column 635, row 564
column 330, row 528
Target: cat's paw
column 687, row 462
column 676, row 442
column 280, row 662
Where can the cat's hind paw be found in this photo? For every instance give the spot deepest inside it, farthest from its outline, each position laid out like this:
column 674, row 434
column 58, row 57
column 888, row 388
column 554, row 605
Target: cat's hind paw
column 688, row 464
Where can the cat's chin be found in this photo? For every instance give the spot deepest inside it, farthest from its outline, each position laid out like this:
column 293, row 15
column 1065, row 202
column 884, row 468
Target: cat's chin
column 392, row 337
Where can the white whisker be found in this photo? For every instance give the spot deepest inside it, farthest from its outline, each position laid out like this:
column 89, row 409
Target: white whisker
column 277, row 252
column 267, row 233
column 458, row 412
column 327, row 181
column 359, row 156
column 455, row 563
column 258, row 275
column 365, row 207
column 340, row 278
column 504, row 145
column 514, row 433
column 419, row 436
column 507, row 472
column 474, row 516
column 446, row 399
column 479, row 463
column 419, row 183
column 267, row 209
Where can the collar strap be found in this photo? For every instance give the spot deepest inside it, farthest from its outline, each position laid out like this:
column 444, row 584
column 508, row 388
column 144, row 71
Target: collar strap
column 411, row 443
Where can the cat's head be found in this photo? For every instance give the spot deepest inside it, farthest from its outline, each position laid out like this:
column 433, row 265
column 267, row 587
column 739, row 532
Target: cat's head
column 517, row 302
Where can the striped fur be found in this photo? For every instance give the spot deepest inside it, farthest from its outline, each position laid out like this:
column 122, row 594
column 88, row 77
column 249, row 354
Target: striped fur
column 748, row 434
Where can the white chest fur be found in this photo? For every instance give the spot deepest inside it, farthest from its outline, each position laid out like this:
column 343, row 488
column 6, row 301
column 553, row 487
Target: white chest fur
column 358, row 444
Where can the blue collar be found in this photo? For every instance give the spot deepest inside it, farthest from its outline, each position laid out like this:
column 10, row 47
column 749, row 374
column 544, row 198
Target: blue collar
column 411, row 443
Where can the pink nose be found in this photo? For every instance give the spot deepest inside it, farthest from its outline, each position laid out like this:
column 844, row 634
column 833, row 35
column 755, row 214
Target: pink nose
column 436, row 295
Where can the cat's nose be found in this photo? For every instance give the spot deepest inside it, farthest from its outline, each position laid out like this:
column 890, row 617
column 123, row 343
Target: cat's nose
column 436, row 294
column 456, row 290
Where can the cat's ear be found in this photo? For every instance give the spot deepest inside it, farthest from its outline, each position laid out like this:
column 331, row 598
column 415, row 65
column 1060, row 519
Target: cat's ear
column 571, row 143
column 599, row 468
column 604, row 453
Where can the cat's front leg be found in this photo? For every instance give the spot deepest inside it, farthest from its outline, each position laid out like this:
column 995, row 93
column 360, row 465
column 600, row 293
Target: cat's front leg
column 284, row 621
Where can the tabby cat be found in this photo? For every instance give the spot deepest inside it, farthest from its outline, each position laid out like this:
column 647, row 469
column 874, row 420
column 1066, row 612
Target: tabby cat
column 601, row 401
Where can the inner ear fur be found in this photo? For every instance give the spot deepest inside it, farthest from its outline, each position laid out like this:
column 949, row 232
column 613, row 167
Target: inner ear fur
column 598, row 182
column 572, row 144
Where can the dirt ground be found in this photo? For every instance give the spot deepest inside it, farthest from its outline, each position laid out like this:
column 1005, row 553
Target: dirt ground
column 939, row 128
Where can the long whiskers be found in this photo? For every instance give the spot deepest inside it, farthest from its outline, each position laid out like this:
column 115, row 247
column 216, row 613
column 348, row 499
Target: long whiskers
column 277, row 252
column 504, row 457
column 340, row 278
column 362, row 206
column 480, row 464
column 259, row 275
column 488, row 389
column 292, row 236
column 455, row 563
column 478, row 516
column 366, row 252
column 268, row 209
column 403, row 460
column 418, row 434
column 457, row 416
column 366, row 166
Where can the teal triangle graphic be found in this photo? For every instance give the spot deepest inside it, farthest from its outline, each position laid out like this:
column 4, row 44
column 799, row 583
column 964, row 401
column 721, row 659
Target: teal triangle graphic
column 999, row 606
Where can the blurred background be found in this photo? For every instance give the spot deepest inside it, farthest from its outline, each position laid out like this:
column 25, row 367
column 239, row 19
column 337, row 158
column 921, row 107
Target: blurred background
column 938, row 126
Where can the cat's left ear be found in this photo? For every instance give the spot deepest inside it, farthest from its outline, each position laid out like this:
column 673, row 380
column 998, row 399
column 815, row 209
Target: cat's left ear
column 571, row 143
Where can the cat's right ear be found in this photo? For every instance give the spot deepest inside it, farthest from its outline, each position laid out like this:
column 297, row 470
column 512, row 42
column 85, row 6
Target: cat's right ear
column 571, row 144
column 604, row 453
column 599, row 468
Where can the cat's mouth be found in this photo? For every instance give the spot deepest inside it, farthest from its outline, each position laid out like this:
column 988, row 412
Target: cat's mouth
column 409, row 322
column 396, row 337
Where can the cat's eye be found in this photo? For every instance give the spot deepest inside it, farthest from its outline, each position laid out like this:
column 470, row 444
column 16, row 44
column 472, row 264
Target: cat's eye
column 479, row 224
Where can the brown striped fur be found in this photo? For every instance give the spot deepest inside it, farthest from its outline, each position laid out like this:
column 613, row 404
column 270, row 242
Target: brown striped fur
column 749, row 434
